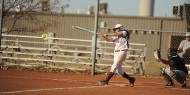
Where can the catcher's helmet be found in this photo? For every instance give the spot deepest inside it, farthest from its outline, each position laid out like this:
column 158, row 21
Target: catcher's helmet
column 172, row 52
column 118, row 26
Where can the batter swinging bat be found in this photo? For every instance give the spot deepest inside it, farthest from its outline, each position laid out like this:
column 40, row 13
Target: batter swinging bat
column 83, row 29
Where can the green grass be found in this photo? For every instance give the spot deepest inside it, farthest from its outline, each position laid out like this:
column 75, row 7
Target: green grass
column 153, row 68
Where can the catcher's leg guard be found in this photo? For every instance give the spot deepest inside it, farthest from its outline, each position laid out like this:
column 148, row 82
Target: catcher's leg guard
column 167, row 78
column 179, row 76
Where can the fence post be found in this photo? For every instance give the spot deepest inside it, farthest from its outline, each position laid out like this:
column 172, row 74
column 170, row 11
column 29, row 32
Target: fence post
column 95, row 38
column 1, row 19
column 161, row 26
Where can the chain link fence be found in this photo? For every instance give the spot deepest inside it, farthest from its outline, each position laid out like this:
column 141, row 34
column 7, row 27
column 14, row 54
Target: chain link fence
column 174, row 40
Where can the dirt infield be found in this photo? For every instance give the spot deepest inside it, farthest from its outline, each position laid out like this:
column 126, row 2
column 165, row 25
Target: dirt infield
column 15, row 82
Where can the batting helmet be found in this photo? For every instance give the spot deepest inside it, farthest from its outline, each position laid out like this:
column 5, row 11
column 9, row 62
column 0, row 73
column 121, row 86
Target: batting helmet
column 118, row 26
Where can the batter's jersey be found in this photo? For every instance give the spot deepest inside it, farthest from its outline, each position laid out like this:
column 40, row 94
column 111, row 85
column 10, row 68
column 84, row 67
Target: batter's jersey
column 121, row 43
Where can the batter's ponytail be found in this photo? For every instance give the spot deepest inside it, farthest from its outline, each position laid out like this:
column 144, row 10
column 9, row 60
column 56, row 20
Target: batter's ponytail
column 128, row 34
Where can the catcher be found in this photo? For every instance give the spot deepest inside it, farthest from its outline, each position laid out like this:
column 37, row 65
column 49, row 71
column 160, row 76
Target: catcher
column 177, row 69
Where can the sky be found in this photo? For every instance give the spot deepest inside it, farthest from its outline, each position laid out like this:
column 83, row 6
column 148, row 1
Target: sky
column 124, row 7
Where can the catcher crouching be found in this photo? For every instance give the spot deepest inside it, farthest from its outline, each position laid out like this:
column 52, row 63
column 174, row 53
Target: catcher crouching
column 176, row 70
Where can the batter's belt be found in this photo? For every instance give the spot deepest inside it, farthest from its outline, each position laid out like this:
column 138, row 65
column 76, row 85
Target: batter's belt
column 120, row 50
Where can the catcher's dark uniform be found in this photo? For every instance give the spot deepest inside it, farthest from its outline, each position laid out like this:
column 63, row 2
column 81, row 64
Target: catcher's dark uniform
column 178, row 71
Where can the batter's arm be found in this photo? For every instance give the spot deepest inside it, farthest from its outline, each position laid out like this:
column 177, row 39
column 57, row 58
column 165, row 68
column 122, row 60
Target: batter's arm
column 119, row 34
column 105, row 36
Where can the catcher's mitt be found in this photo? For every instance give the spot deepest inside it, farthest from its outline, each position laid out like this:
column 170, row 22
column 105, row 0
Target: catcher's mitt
column 157, row 54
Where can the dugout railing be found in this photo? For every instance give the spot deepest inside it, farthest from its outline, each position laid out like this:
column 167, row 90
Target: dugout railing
column 64, row 53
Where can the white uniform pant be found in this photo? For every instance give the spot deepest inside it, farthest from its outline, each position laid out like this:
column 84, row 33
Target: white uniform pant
column 119, row 57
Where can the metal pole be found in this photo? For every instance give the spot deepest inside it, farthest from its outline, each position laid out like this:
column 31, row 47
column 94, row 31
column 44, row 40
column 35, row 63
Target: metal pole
column 1, row 19
column 160, row 47
column 95, row 38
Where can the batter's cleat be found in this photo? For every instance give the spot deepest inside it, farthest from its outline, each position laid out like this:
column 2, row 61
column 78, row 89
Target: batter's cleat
column 132, row 81
column 103, row 83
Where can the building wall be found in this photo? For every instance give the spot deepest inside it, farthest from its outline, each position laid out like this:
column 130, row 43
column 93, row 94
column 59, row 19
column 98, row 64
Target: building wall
column 149, row 30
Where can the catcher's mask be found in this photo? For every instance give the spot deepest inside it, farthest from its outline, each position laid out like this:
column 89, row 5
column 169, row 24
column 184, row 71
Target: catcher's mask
column 172, row 52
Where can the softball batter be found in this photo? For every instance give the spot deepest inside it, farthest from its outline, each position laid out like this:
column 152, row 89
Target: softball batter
column 120, row 38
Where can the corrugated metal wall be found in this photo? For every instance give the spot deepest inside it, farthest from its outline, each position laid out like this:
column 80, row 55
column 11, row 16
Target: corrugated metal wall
column 61, row 25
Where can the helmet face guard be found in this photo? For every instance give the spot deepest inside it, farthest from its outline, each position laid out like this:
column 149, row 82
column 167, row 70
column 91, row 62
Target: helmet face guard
column 172, row 52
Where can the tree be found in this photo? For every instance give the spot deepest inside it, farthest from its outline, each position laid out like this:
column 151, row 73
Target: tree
column 18, row 10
